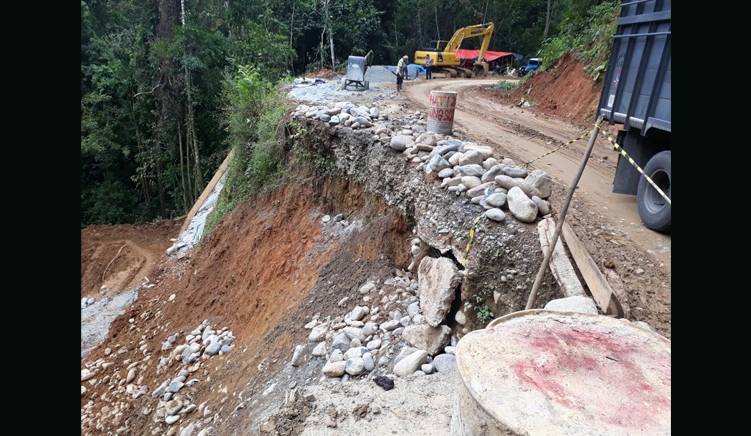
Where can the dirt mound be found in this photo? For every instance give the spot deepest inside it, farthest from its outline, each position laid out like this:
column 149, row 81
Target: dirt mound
column 565, row 91
column 325, row 73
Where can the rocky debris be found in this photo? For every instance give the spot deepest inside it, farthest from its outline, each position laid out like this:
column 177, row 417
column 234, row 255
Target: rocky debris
column 378, row 74
column 462, row 167
column 201, row 341
column 347, row 115
column 173, row 404
column 85, row 302
column 364, row 341
column 386, row 329
column 192, row 234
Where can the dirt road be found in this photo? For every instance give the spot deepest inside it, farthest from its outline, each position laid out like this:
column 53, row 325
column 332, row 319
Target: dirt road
column 518, row 133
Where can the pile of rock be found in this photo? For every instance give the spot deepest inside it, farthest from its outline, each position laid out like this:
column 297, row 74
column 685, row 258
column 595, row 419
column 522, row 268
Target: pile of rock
column 367, row 342
column 466, row 168
column 86, row 302
column 463, row 167
column 203, row 341
column 342, row 113
column 111, row 407
column 379, row 74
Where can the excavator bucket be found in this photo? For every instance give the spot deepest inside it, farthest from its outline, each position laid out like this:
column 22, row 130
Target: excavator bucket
column 480, row 69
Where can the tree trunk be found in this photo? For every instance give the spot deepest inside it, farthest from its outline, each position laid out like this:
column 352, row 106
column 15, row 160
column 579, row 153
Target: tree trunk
column 292, row 24
column 191, row 137
column 182, row 170
column 328, row 27
column 169, row 17
column 192, row 134
column 547, row 19
column 437, row 29
column 419, row 27
column 142, row 180
column 323, row 46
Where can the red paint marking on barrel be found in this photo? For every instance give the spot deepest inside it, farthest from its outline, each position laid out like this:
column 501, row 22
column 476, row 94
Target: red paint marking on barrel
column 591, row 372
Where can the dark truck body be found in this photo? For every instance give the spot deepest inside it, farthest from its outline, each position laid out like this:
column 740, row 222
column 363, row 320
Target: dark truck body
column 636, row 96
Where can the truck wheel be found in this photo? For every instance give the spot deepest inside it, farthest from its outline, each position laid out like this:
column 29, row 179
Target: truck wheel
column 654, row 210
column 366, row 85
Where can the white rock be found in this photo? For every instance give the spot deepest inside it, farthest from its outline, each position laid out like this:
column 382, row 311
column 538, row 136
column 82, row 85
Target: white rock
column 319, row 350
column 520, row 205
column 367, row 287
column 495, row 214
column 334, row 369
column 355, row 366
column 460, row 317
column 410, row 363
column 297, row 355
column 318, row 333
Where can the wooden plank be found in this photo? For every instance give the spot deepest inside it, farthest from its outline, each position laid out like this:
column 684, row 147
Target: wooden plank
column 207, row 191
column 599, row 287
column 618, row 289
column 560, row 266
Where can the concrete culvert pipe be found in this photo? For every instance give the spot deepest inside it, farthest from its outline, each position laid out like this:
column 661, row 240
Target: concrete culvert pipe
column 540, row 372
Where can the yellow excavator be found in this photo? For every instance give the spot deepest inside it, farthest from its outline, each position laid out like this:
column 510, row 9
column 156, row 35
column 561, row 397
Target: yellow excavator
column 444, row 52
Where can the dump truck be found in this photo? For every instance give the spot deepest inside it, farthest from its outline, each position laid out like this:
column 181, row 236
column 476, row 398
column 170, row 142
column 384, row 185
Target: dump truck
column 636, row 97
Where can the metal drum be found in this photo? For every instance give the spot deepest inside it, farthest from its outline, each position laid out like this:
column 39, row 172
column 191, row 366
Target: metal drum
column 441, row 113
column 542, row 372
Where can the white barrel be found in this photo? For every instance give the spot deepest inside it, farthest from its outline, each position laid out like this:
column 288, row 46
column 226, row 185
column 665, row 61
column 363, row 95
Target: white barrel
column 441, row 113
column 547, row 373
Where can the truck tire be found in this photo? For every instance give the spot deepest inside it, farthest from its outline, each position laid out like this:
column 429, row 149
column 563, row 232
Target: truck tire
column 366, row 85
column 654, row 210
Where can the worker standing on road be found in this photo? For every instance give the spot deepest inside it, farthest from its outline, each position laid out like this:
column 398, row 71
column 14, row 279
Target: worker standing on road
column 401, row 72
column 428, row 68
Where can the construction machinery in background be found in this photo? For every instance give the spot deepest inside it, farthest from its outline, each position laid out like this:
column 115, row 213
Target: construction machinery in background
column 444, row 54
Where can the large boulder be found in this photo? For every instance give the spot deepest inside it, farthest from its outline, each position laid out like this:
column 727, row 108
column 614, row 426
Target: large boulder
column 428, row 338
column 542, row 181
column 410, row 363
column 507, row 182
column 437, row 280
column 521, row 206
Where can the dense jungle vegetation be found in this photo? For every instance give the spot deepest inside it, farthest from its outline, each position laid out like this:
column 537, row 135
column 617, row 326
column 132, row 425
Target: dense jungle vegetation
column 169, row 87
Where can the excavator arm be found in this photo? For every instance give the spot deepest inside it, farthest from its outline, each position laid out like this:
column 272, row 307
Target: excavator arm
column 485, row 30
column 488, row 33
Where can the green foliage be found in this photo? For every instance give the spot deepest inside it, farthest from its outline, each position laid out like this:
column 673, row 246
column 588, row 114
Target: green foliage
column 312, row 153
column 480, row 306
column 268, row 52
column 484, row 314
column 153, row 89
column 507, row 85
column 253, row 112
column 586, row 31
